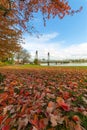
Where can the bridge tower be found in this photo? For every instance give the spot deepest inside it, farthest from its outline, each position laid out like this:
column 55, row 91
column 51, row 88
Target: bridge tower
column 36, row 55
column 36, row 61
column 48, row 61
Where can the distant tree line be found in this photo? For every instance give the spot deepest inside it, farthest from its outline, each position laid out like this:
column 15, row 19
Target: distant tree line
column 64, row 61
column 20, row 57
column 74, row 61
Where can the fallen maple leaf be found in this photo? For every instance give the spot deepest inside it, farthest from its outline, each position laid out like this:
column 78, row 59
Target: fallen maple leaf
column 23, row 108
column 35, row 120
column 4, row 96
column 53, row 119
column 66, row 95
column 6, row 128
column 76, row 118
column 42, row 124
column 22, row 122
column 65, row 106
column 62, row 104
column 50, row 107
column 1, row 119
column 34, row 128
column 59, row 100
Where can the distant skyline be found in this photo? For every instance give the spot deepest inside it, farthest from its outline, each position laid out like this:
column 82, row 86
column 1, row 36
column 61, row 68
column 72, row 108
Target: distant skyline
column 63, row 39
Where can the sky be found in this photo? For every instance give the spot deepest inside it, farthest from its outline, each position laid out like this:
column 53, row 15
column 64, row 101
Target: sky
column 63, row 38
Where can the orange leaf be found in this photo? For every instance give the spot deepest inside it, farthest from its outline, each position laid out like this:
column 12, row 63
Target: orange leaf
column 41, row 124
column 75, row 118
column 51, row 104
column 23, row 108
column 60, row 101
column 4, row 96
column 35, row 120
column 50, row 107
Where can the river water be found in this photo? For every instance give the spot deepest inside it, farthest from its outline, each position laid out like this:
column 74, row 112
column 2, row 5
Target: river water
column 66, row 64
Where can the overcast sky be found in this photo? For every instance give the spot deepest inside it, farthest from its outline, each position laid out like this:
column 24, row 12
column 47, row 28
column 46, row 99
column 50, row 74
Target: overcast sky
column 63, row 39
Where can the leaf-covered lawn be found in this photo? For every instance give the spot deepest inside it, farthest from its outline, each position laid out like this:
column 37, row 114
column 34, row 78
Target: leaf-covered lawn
column 43, row 99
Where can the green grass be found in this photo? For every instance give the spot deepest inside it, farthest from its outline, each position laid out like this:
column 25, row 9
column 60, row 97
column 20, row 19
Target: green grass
column 28, row 66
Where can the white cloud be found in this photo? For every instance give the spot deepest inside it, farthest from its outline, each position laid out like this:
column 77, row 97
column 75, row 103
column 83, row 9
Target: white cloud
column 45, row 44
column 42, row 38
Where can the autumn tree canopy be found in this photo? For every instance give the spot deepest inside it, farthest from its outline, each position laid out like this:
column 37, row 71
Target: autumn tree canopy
column 14, row 15
column 22, row 11
column 9, row 38
column 9, row 35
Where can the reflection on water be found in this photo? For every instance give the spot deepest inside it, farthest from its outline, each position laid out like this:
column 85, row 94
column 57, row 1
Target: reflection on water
column 66, row 64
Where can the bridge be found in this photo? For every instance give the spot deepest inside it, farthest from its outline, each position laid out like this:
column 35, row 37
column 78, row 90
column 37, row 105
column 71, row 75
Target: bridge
column 52, row 61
